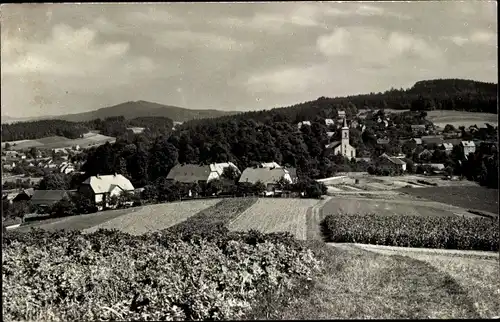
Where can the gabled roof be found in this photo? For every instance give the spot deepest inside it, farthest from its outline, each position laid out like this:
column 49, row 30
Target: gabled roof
column 393, row 160
column 432, row 139
column 48, row 196
column 102, row 184
column 270, row 165
column 468, row 144
column 219, row 167
column 333, row 145
column 189, row 173
column 418, row 126
column 447, row 146
column 330, row 134
column 266, row 176
column 292, row 172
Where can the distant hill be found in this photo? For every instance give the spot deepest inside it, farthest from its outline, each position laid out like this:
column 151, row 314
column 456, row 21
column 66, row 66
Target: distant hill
column 131, row 110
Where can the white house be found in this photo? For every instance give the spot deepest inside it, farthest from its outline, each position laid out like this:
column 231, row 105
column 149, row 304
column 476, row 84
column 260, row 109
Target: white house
column 467, row 147
column 343, row 147
column 102, row 188
column 270, row 165
column 341, row 115
column 194, row 173
column 269, row 177
column 300, row 124
column 329, row 122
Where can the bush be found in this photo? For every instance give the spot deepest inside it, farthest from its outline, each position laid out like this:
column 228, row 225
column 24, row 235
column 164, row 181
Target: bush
column 413, row 231
column 165, row 275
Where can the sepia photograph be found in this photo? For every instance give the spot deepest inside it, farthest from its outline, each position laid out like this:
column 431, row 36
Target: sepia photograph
column 293, row 160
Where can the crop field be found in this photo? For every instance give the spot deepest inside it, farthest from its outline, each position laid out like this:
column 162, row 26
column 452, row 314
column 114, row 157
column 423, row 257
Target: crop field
column 459, row 118
column 385, row 207
column 472, row 197
column 155, row 217
column 275, row 215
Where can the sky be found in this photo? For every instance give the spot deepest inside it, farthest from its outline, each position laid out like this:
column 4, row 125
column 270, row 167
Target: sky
column 71, row 58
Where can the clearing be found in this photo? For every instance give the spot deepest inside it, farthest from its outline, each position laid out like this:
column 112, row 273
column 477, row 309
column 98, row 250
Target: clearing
column 458, row 118
column 155, row 217
column 275, row 215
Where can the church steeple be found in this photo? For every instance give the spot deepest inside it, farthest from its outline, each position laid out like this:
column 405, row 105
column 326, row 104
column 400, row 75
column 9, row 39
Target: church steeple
column 345, row 138
column 345, row 124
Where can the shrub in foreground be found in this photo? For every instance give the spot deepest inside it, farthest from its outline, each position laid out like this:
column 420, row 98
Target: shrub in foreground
column 112, row 275
column 413, row 231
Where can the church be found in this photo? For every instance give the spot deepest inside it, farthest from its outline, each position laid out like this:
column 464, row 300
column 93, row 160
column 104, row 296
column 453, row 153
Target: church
column 343, row 147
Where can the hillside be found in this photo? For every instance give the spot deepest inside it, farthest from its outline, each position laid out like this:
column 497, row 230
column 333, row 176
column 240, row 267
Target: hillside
column 136, row 109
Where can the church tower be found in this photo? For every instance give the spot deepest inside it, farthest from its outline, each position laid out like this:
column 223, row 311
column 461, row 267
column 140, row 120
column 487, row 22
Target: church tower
column 345, row 139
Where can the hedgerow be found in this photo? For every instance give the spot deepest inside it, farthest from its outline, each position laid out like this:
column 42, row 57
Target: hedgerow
column 159, row 276
column 448, row 232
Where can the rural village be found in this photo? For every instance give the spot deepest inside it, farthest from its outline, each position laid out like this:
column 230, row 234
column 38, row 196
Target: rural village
column 354, row 206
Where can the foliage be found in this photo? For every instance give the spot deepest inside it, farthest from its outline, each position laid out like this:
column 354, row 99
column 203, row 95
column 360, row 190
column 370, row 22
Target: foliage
column 449, row 232
column 55, row 181
column 70, row 276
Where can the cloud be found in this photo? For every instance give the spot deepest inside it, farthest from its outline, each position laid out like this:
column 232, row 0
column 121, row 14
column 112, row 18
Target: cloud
column 184, row 39
column 70, row 52
column 286, row 81
column 479, row 37
column 371, row 45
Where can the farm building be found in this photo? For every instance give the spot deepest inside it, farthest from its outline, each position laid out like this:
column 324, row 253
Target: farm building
column 47, row 198
column 24, row 195
column 467, row 147
column 447, row 147
column 300, row 124
column 417, row 141
column 383, row 141
column 343, row 147
column 270, row 165
column 293, row 174
column 191, row 173
column 432, row 139
column 269, row 177
column 392, row 161
column 418, row 128
column 426, row 153
column 102, row 188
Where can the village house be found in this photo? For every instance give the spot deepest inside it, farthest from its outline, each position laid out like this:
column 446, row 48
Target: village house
column 432, row 139
column 391, row 161
column 446, row 147
column 24, row 195
column 343, row 147
column 300, row 124
column 341, row 115
column 467, row 147
column 383, row 141
column 193, row 173
column 426, row 153
column 330, row 134
column 270, row 165
column 329, row 122
column 47, row 198
column 417, row 141
column 418, row 128
column 354, row 124
column 269, row 177
column 102, row 188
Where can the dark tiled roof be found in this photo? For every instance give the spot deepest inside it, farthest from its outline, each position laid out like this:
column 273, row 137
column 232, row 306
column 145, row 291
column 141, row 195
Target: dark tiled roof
column 48, row 196
column 189, row 173
column 333, row 144
column 266, row 176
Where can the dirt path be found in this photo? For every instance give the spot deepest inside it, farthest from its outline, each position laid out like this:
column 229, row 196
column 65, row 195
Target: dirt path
column 314, row 217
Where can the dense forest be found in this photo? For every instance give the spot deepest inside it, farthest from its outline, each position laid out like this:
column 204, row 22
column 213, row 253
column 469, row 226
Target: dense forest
column 440, row 94
column 112, row 126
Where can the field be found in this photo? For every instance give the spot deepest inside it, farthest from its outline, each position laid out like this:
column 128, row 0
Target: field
column 459, row 118
column 275, row 215
column 473, row 197
column 55, row 142
column 356, row 281
column 155, row 217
